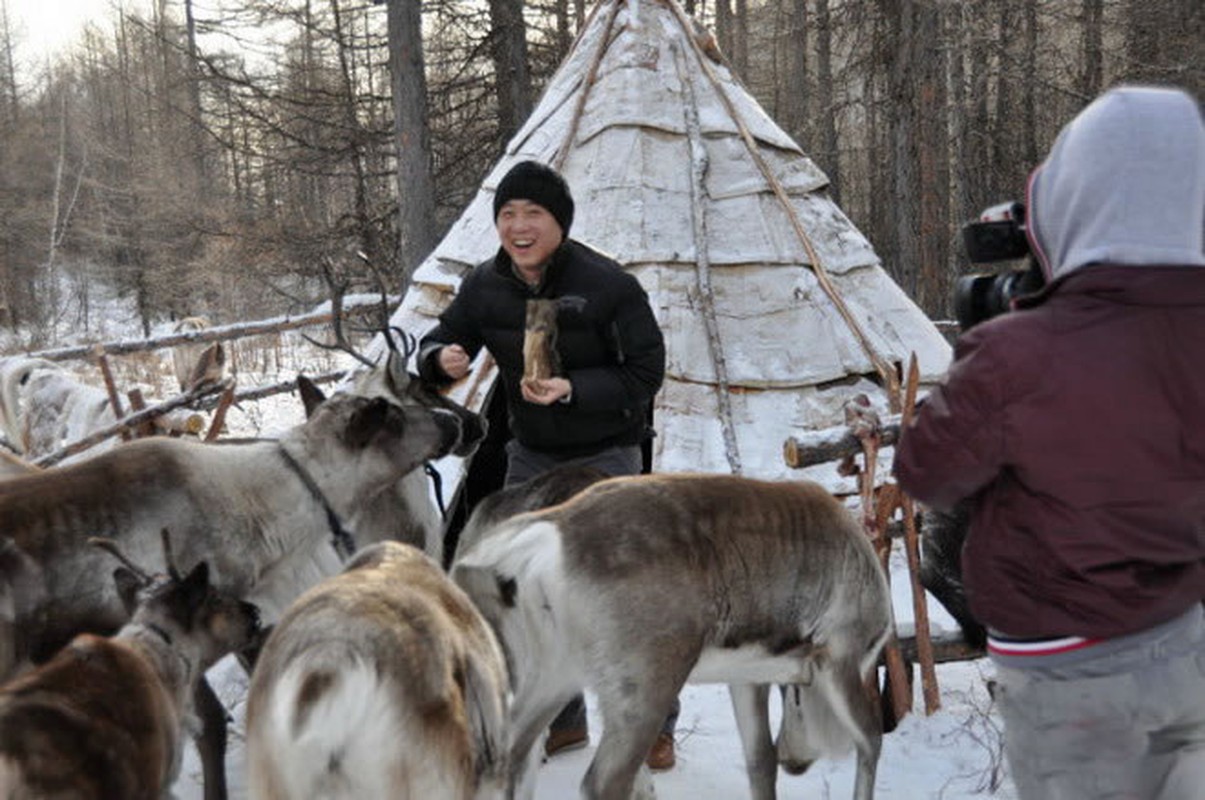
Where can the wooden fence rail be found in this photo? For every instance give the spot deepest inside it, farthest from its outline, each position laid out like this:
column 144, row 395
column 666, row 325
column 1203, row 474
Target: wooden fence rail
column 218, row 333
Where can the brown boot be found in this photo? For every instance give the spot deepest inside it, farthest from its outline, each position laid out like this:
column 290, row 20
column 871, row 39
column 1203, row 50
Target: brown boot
column 562, row 740
column 661, row 754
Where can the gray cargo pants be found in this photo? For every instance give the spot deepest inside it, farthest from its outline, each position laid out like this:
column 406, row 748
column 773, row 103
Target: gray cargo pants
column 1127, row 722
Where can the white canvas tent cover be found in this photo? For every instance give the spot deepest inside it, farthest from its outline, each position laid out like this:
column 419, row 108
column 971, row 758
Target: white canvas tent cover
column 775, row 309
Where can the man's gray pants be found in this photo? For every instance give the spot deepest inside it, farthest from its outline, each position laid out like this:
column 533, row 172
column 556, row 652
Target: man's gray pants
column 1126, row 721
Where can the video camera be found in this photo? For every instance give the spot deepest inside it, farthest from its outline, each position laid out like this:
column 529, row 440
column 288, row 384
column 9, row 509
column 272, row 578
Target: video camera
column 998, row 235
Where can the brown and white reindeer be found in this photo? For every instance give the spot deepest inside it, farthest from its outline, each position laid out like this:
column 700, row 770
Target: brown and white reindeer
column 268, row 516
column 105, row 717
column 381, row 682
column 641, row 584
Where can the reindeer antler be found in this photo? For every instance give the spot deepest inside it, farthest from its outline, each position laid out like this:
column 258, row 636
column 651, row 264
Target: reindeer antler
column 114, row 549
column 409, row 342
column 338, row 290
column 168, row 558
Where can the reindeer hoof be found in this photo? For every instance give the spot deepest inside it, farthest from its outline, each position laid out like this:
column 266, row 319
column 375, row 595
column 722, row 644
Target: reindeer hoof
column 795, row 767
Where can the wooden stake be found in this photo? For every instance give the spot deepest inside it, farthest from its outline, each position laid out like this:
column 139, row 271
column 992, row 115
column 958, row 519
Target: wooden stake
column 863, row 422
column 137, row 403
column 924, row 644
column 98, row 353
column 219, row 414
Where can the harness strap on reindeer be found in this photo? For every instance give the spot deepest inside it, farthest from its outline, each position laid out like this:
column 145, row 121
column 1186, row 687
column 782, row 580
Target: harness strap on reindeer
column 437, row 483
column 341, row 538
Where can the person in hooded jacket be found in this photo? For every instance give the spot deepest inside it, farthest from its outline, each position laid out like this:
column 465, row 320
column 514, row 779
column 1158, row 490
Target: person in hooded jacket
column 611, row 349
column 1074, row 423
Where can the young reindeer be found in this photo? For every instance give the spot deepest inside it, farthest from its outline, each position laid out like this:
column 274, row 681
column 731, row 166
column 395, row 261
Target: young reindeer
column 104, row 718
column 640, row 584
column 381, row 682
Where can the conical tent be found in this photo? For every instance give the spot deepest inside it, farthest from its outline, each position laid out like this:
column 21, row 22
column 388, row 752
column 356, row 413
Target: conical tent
column 775, row 308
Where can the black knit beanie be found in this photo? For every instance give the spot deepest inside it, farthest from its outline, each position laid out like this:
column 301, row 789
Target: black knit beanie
column 542, row 185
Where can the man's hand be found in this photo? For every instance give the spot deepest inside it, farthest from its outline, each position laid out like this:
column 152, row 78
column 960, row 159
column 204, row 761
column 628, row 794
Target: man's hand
column 454, row 361
column 546, row 392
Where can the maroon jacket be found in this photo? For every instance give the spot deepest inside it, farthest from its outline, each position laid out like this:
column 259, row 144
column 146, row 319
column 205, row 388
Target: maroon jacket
column 1078, row 424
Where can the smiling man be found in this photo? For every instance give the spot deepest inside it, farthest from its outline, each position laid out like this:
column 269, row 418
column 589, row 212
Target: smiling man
column 609, row 346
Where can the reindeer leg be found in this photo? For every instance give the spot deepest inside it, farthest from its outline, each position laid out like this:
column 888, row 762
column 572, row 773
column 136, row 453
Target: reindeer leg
column 532, row 711
column 852, row 705
column 634, row 701
column 211, row 739
column 751, row 705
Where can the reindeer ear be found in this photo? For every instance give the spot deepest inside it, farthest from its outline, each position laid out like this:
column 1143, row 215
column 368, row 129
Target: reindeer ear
column 311, row 395
column 128, row 585
column 194, row 588
column 366, row 422
column 198, row 578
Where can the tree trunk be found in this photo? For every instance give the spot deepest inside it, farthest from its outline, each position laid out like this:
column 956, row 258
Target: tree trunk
column 829, row 154
column 1092, row 44
column 1029, row 136
column 899, row 17
column 11, row 98
column 365, row 231
column 723, row 26
column 961, row 169
column 197, row 126
column 415, row 185
column 508, row 35
column 740, row 40
column 795, row 82
column 932, row 145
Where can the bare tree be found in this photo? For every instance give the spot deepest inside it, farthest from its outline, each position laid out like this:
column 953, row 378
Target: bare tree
column 415, row 187
column 1092, row 43
column 508, row 37
column 829, row 151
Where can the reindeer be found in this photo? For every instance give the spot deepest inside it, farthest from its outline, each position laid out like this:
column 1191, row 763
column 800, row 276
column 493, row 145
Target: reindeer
column 640, row 584
column 15, row 375
column 402, row 511
column 44, row 407
column 103, row 719
column 268, row 516
column 196, row 363
column 381, row 682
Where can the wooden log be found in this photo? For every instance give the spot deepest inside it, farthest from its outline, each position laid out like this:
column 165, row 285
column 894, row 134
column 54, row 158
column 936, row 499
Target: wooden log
column 833, row 444
column 947, row 647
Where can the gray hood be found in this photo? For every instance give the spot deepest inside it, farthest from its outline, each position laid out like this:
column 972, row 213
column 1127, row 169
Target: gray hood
column 1124, row 184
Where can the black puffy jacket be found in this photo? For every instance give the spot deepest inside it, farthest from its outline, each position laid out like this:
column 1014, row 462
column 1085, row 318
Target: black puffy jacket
column 610, row 347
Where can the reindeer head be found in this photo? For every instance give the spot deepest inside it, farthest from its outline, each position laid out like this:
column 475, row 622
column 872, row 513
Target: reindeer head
column 386, row 375
column 388, row 379
column 188, row 609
